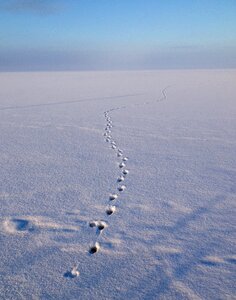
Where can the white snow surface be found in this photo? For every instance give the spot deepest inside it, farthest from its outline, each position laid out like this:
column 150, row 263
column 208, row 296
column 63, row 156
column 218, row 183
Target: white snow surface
column 172, row 232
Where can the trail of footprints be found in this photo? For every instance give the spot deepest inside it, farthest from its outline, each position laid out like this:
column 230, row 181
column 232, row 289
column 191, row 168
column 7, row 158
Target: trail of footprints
column 101, row 225
column 110, row 209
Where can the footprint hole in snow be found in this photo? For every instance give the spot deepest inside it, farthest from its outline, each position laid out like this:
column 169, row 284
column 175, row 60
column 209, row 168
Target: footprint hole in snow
column 72, row 273
column 93, row 224
column 18, row 224
column 120, row 178
column 125, row 172
column 121, row 188
column 110, row 210
column 113, row 197
column 95, row 248
column 122, row 165
column 101, row 225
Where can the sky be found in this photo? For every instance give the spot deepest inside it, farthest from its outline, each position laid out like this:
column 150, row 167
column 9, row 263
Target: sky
column 117, row 34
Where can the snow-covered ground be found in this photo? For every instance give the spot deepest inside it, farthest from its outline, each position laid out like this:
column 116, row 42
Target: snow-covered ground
column 171, row 232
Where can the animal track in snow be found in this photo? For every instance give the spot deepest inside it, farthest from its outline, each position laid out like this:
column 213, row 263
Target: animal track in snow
column 110, row 210
column 99, row 224
column 95, row 248
column 121, row 188
column 27, row 224
column 72, row 273
column 113, row 197
column 120, row 178
column 93, row 223
column 122, row 165
column 17, row 225
column 125, row 172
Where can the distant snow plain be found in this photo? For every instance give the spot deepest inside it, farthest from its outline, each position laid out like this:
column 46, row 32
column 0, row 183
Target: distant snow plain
column 172, row 233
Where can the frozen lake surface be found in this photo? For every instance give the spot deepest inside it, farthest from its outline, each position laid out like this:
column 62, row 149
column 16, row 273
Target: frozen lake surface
column 65, row 139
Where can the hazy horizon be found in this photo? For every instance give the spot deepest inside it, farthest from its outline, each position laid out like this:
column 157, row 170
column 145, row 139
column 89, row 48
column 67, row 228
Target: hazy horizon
column 64, row 35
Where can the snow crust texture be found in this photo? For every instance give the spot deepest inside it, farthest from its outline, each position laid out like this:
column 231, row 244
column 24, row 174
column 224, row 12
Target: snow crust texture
column 118, row 185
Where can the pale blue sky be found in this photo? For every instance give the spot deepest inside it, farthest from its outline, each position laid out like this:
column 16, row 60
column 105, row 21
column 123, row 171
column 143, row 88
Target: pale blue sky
column 117, row 34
